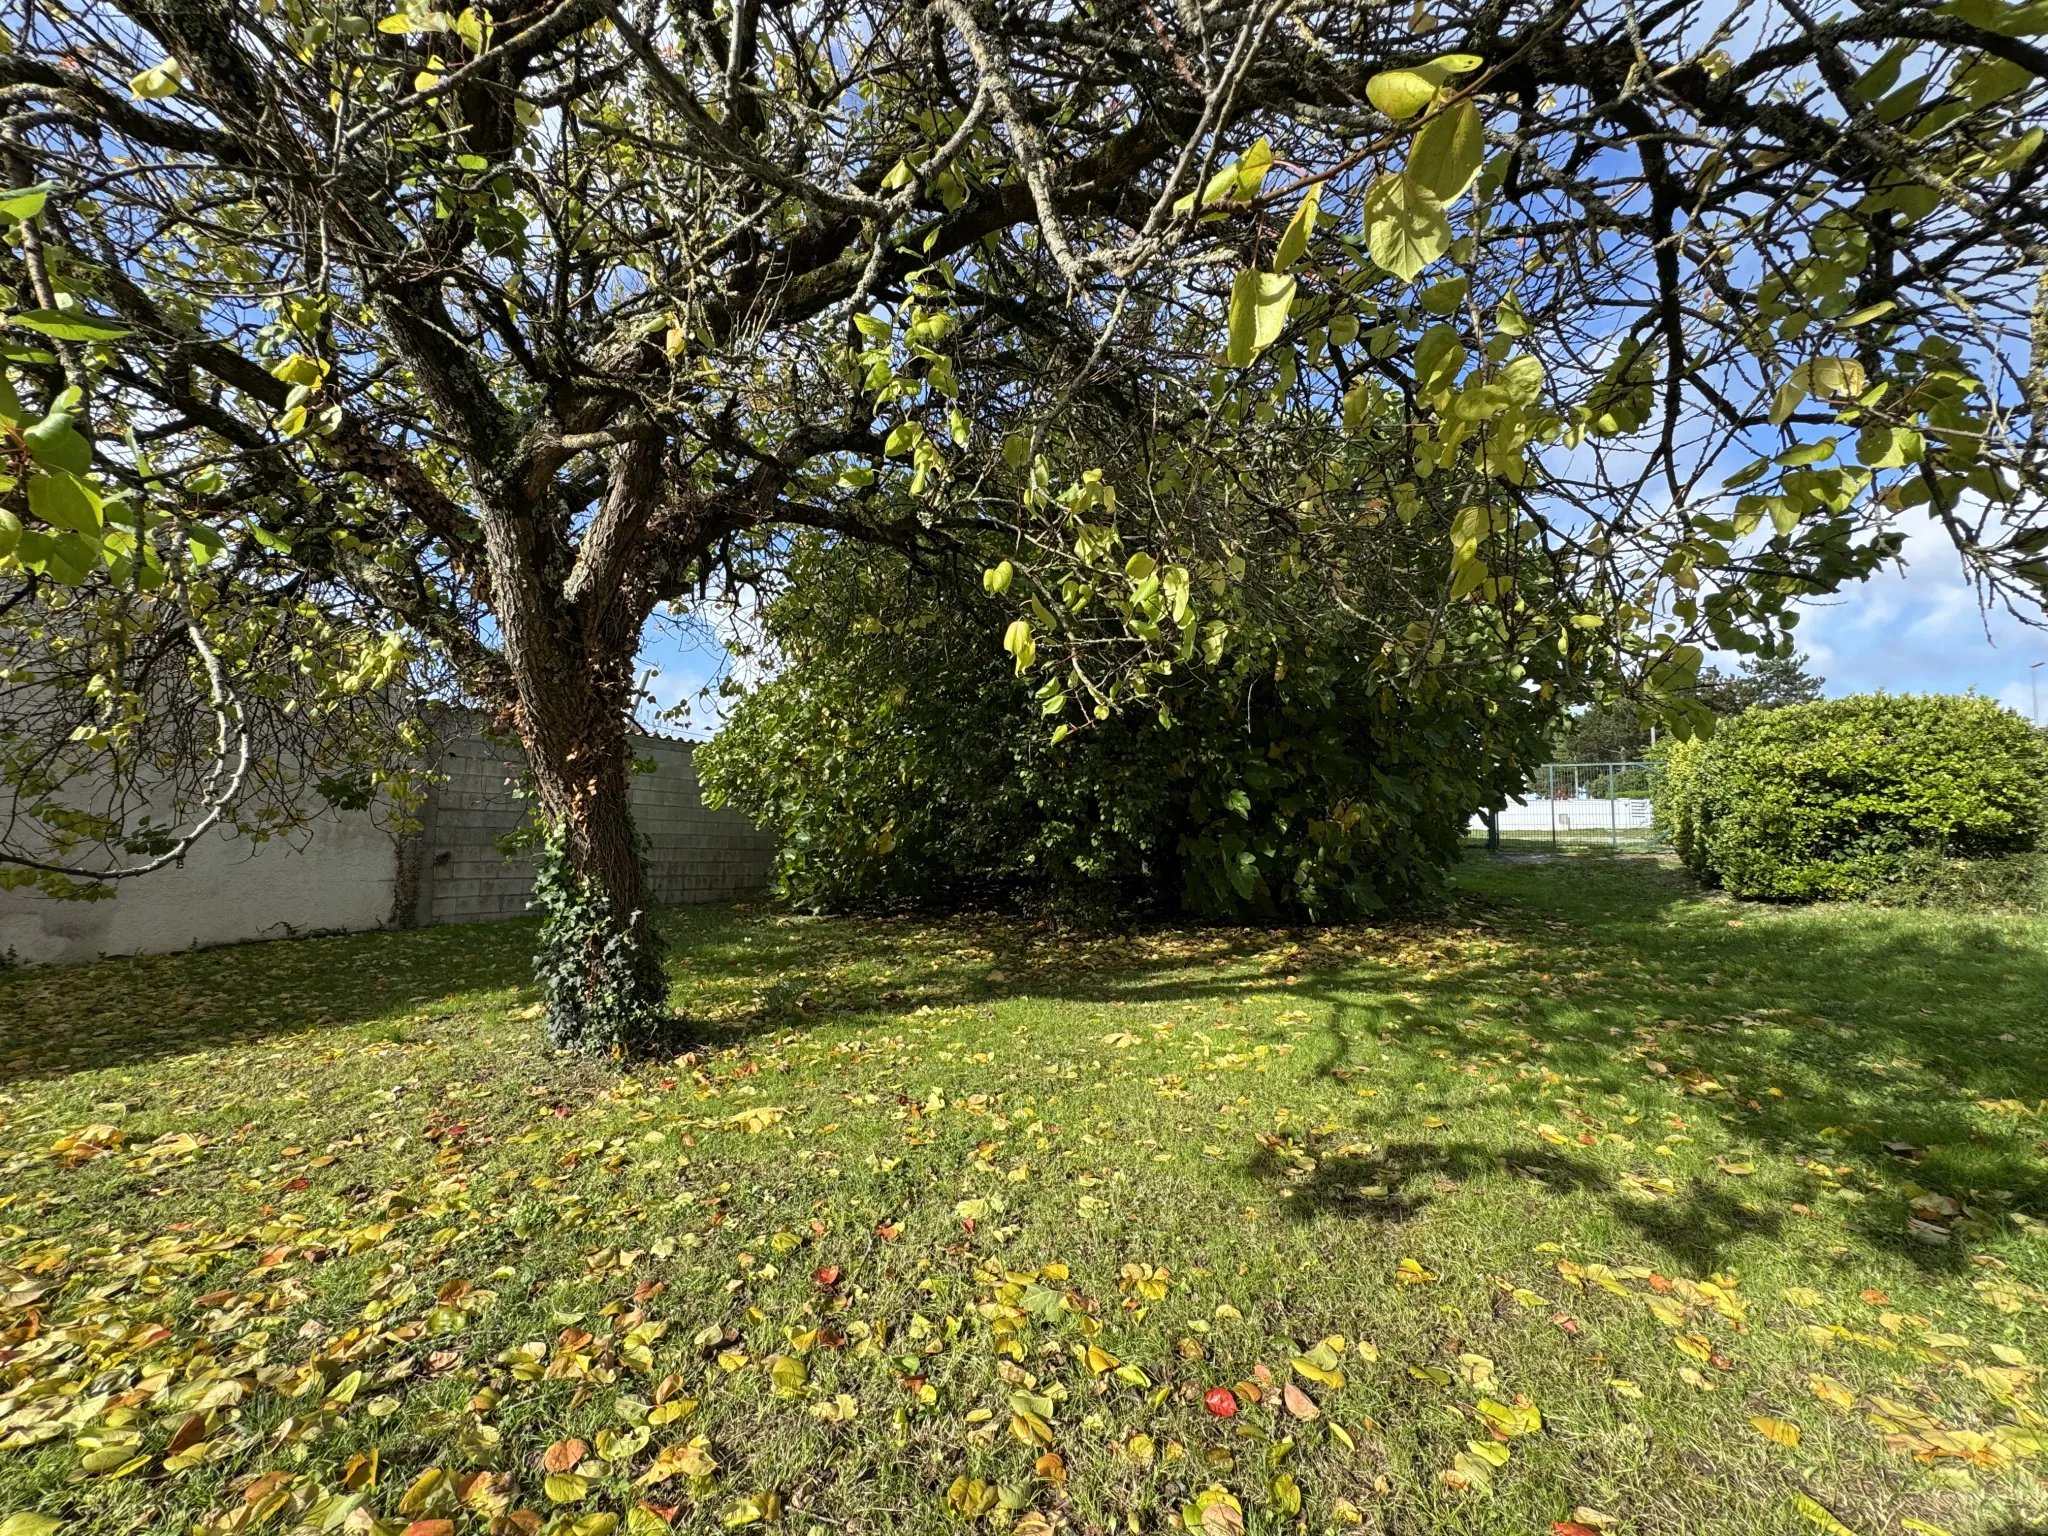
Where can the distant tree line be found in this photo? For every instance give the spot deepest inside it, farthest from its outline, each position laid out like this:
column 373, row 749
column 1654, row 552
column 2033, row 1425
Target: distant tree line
column 1622, row 731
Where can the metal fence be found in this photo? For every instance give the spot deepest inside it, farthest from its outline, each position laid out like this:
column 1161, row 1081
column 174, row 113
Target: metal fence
column 1575, row 805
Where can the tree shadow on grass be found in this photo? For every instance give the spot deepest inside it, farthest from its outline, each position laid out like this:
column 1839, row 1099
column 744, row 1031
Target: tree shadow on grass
column 1328, row 1173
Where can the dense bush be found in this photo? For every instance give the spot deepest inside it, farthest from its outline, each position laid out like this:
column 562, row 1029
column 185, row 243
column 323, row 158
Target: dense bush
column 1870, row 797
column 904, row 763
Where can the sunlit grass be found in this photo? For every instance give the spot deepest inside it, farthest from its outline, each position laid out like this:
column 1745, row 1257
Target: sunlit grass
column 1652, row 1164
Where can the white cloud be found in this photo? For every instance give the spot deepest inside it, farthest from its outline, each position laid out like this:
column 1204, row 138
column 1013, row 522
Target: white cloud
column 1921, row 630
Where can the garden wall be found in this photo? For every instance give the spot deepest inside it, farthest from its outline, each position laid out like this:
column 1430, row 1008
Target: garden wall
column 344, row 873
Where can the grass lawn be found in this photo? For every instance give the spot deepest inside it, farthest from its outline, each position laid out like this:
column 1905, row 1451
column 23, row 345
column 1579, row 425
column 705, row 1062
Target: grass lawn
column 1593, row 1199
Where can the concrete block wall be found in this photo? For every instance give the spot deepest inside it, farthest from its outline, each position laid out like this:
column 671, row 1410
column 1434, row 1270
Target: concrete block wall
column 344, row 873
column 694, row 854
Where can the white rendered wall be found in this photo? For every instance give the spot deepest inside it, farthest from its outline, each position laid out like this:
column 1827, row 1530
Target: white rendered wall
column 333, row 876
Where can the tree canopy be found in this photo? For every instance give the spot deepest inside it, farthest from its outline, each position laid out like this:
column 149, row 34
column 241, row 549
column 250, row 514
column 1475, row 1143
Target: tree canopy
column 510, row 325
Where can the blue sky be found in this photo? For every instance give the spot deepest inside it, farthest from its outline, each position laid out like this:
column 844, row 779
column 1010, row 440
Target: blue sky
column 1921, row 631
column 1916, row 630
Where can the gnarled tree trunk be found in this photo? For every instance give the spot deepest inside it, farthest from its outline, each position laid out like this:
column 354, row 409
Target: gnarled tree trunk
column 569, row 639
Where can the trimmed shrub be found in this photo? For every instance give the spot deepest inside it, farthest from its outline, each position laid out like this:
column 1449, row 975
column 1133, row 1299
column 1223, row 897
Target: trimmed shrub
column 1877, row 797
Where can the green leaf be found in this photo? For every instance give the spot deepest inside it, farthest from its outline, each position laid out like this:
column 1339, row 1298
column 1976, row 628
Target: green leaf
column 1258, row 313
column 1400, row 93
column 53, row 443
column 1522, row 378
column 996, row 579
column 26, row 203
column 1841, row 377
column 69, row 325
column 1447, row 152
column 1438, row 357
column 1444, row 298
column 1405, row 226
column 1358, row 404
column 1294, row 240
column 63, row 500
column 1881, row 447
column 1808, row 453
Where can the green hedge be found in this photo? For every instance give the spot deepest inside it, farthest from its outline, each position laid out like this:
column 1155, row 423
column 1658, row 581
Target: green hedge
column 1874, row 797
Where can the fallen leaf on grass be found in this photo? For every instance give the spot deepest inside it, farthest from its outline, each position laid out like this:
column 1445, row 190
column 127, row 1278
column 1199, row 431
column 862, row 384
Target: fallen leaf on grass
column 1509, row 1420
column 1832, row 1392
column 1783, row 1431
column 563, row 1455
column 1298, row 1402
column 1817, row 1513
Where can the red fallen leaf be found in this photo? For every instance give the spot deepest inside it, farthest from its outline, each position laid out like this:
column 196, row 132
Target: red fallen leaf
column 1656, row 1283
column 967, row 1223
column 1566, row 1324
column 1220, row 1401
column 666, row 1512
column 826, row 1274
column 912, row 1383
column 189, row 1434
column 431, row 1528
column 889, row 1231
column 1875, row 1298
column 563, row 1455
column 1298, row 1402
column 1572, row 1528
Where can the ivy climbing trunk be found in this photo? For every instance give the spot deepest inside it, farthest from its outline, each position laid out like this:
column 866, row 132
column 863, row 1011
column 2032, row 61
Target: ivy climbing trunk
column 599, row 960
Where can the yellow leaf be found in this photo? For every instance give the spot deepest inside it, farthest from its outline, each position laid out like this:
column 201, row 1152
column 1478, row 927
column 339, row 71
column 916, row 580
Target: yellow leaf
column 565, row 1487
column 1831, row 1392
column 1783, row 1431
column 1294, row 240
column 1511, row 1419
column 152, row 84
column 29, row 1523
column 1400, row 93
column 1818, row 1515
column 1409, row 1272
column 1258, row 313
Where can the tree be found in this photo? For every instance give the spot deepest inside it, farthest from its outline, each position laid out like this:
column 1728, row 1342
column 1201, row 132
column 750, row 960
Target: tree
column 903, row 763
column 519, row 324
column 1617, row 730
